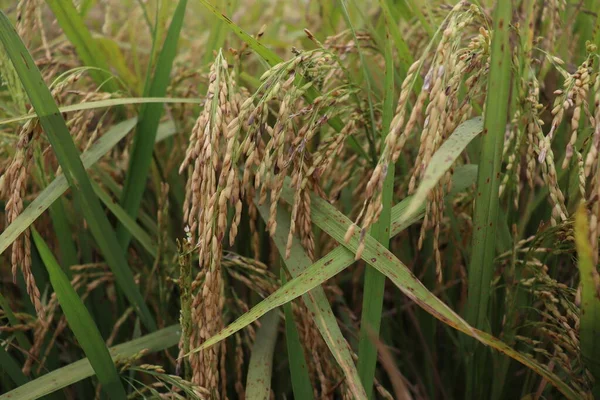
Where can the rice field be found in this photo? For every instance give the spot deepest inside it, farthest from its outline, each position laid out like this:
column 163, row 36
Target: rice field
column 315, row 199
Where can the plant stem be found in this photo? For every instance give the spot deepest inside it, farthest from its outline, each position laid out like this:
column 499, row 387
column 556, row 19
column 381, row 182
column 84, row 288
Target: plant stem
column 374, row 284
column 485, row 217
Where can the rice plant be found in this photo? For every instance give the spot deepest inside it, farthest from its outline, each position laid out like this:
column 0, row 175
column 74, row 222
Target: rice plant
column 383, row 199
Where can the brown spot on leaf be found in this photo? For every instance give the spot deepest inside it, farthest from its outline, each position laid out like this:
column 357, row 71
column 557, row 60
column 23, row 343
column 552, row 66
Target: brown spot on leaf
column 226, row 18
column 24, row 61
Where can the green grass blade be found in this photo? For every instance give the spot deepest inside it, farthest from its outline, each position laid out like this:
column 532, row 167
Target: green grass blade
column 215, row 41
column 443, row 159
column 78, row 34
column 488, row 179
column 119, row 66
column 400, row 10
column 98, row 104
column 485, row 216
column 129, row 223
column 406, row 59
column 335, row 224
column 589, row 328
column 416, row 9
column 374, row 283
column 298, row 370
column 60, row 223
column 260, row 369
column 584, row 26
column 367, row 77
column 10, row 367
column 596, row 32
column 84, row 6
column 81, row 323
column 144, row 220
column 12, row 319
column 316, row 301
column 322, row 270
column 149, row 118
column 79, row 370
column 68, row 157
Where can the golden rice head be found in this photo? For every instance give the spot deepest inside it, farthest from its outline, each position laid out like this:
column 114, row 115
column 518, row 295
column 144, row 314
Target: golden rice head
column 437, row 111
column 213, row 186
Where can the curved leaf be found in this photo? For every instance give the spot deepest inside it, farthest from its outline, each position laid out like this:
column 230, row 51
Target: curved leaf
column 336, row 224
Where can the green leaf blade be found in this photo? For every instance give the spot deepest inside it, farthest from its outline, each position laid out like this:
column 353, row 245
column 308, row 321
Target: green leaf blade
column 298, row 370
column 485, row 215
column 81, row 323
column 98, row 104
column 260, row 369
column 488, row 180
column 143, row 142
column 589, row 328
column 374, row 283
column 11, row 368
